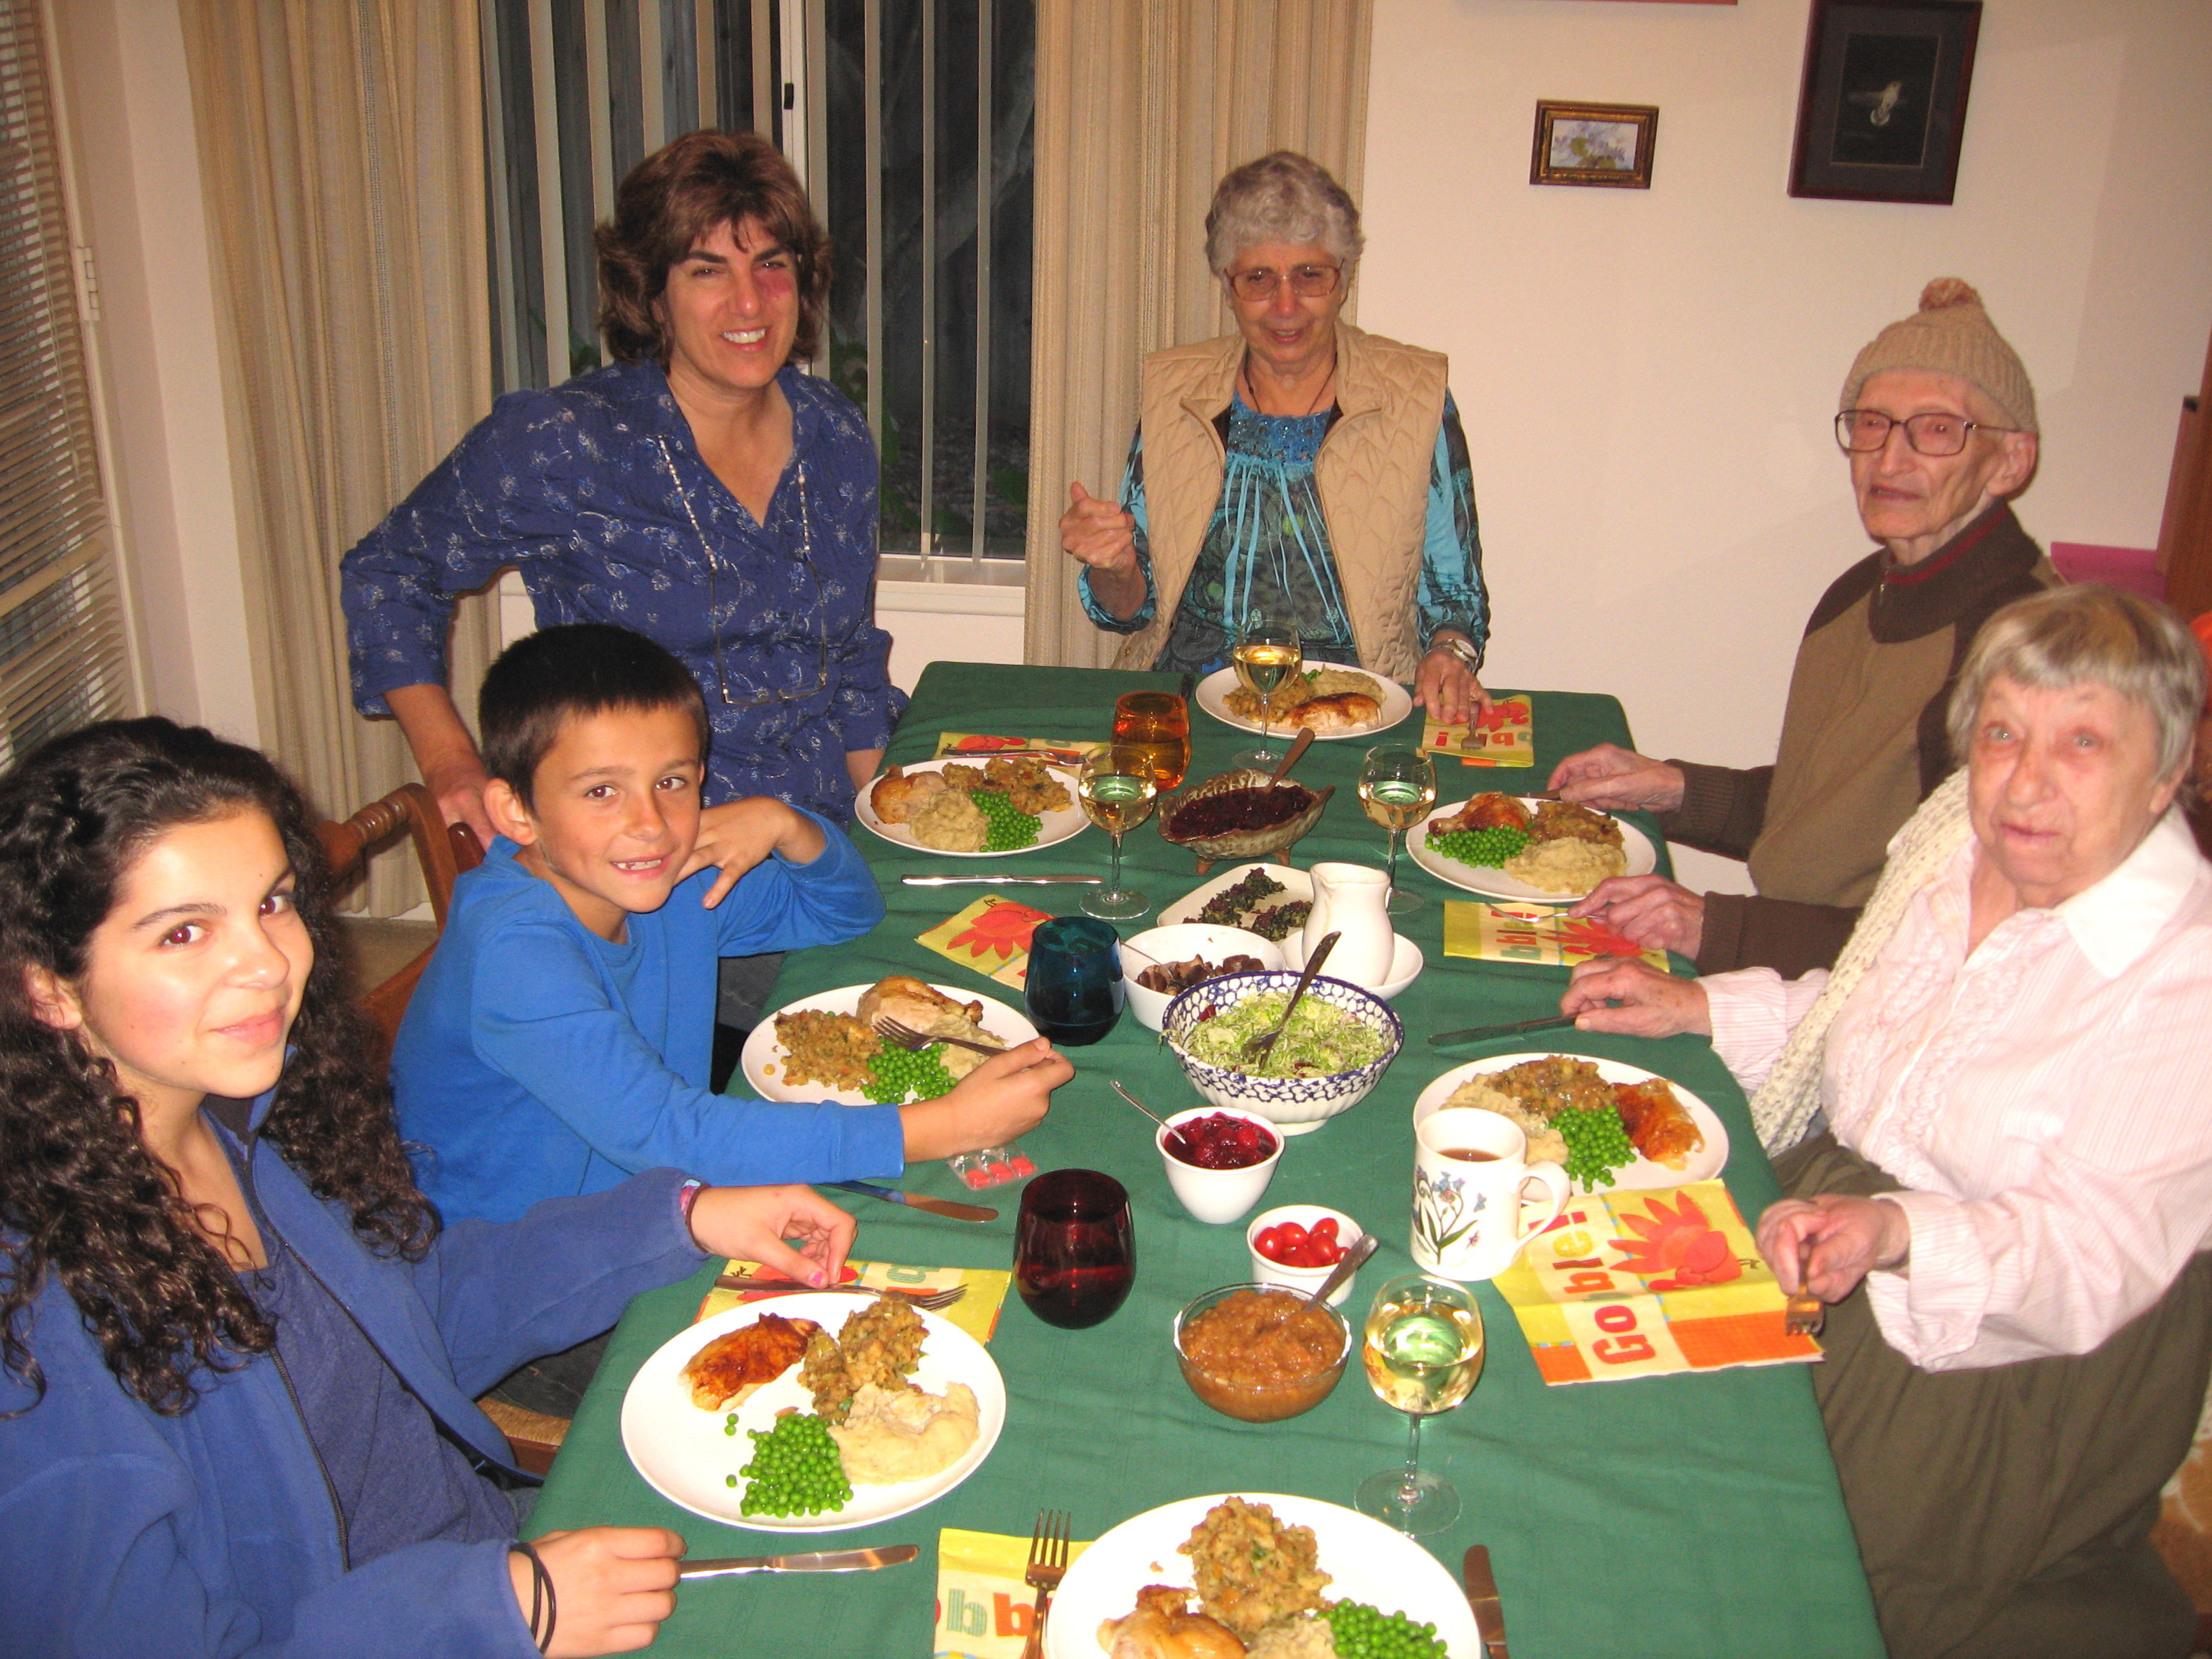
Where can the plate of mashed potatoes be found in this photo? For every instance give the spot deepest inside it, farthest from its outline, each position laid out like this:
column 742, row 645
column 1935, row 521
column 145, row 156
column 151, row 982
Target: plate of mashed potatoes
column 905, row 1437
column 1543, row 852
column 972, row 808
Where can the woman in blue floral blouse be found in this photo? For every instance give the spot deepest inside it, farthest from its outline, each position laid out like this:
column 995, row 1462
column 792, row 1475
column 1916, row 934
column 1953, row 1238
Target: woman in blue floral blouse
column 699, row 489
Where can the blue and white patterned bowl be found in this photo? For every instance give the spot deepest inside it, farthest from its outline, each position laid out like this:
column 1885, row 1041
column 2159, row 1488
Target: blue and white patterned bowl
column 1295, row 1105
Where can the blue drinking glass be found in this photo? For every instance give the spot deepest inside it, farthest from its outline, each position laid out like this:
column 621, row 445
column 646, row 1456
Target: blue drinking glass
column 1074, row 991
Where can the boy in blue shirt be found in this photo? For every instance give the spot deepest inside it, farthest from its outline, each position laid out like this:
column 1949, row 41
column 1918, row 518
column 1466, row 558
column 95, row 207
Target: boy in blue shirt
column 559, row 1041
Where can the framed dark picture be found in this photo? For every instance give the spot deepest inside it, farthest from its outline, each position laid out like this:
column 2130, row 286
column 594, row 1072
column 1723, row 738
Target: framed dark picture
column 1607, row 144
column 1884, row 103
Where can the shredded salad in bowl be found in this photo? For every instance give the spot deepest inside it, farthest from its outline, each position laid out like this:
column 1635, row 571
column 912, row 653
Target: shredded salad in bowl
column 1321, row 1040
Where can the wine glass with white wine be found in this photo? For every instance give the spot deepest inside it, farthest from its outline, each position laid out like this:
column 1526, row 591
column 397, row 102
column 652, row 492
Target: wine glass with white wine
column 1117, row 793
column 1267, row 653
column 1397, row 786
column 1422, row 1348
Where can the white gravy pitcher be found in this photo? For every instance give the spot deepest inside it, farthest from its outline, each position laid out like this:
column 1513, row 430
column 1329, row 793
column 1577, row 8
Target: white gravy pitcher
column 1353, row 900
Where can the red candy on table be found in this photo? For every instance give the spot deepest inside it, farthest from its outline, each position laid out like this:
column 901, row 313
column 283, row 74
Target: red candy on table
column 1221, row 1142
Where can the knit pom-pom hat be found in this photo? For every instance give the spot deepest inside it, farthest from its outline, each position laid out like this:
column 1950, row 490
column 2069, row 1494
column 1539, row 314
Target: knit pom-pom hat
column 1950, row 334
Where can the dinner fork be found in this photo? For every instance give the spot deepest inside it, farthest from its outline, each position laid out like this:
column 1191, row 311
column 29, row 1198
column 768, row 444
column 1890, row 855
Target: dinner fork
column 1048, row 1566
column 930, row 1299
column 905, row 1036
column 1806, row 1312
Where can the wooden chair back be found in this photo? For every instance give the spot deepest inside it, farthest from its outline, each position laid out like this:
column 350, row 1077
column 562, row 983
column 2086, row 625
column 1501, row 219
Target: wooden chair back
column 443, row 852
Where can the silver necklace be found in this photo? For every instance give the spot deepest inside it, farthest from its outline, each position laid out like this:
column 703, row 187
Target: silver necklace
column 713, row 591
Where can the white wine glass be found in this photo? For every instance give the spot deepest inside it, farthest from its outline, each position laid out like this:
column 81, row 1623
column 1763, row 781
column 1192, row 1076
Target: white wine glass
column 1267, row 653
column 1422, row 1349
column 1397, row 786
column 1117, row 791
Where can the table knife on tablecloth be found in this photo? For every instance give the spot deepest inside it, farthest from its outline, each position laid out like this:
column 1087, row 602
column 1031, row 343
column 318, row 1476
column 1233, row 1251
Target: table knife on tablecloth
column 891, row 1555
column 1483, row 1033
column 1001, row 881
column 1482, row 1599
column 944, row 1206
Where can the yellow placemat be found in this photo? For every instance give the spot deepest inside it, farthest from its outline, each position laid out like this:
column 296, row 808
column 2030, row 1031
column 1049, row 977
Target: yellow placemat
column 1537, row 934
column 982, row 746
column 976, row 1313
column 991, row 936
column 983, row 1608
column 1502, row 734
column 1639, row 1284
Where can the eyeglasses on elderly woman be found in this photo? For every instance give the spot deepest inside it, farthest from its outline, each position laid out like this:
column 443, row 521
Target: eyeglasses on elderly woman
column 1307, row 282
column 1862, row 431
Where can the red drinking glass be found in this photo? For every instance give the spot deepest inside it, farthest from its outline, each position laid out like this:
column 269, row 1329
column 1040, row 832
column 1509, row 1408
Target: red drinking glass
column 1075, row 1247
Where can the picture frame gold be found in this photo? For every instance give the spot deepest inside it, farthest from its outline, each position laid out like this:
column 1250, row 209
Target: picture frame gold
column 1607, row 145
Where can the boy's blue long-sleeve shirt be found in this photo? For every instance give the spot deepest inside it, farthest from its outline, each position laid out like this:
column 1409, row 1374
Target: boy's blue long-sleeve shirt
column 538, row 1061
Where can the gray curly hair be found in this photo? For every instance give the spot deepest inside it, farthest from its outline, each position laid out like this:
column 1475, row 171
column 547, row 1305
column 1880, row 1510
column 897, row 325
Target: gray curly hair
column 1281, row 197
column 2087, row 633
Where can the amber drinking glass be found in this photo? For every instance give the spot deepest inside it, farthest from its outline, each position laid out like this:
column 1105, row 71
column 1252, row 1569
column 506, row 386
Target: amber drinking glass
column 1157, row 724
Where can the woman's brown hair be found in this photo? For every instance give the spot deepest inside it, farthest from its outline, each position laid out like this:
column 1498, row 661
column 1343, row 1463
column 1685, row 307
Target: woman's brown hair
column 677, row 196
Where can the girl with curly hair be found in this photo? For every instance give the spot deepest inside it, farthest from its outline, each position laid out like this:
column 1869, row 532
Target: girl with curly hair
column 237, row 1352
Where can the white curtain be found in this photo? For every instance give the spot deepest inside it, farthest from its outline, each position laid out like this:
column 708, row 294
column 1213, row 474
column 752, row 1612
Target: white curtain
column 341, row 152
column 1142, row 105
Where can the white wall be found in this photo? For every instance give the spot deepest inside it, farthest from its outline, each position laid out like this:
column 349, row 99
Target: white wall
column 166, row 453
column 1671, row 559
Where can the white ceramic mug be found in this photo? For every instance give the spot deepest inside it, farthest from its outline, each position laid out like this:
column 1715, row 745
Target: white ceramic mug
column 1471, row 1215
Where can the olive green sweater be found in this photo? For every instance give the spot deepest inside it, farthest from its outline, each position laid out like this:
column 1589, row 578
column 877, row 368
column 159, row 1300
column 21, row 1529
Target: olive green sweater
column 1863, row 742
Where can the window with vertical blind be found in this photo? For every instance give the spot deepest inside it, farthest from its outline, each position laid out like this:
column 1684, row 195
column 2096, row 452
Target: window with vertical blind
column 911, row 124
column 63, row 657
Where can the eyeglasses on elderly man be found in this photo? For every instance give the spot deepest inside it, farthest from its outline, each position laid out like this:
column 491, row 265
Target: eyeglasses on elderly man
column 1863, row 431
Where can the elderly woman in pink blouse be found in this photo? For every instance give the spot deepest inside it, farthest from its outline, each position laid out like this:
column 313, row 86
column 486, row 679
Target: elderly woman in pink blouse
column 2009, row 1199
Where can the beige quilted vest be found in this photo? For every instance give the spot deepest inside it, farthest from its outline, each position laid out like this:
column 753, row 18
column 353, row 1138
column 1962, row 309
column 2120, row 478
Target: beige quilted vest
column 1372, row 475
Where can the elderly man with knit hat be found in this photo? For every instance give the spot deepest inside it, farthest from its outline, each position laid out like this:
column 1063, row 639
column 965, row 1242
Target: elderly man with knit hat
column 1937, row 418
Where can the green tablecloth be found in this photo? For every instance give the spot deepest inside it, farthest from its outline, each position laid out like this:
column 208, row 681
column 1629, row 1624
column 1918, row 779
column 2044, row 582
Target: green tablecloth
column 1693, row 1515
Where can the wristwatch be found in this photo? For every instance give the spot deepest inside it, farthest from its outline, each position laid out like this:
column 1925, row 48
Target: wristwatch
column 1470, row 653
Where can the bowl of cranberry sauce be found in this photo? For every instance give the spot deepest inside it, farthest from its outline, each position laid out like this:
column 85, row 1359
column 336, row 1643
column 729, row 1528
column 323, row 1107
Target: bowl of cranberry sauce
column 1218, row 1161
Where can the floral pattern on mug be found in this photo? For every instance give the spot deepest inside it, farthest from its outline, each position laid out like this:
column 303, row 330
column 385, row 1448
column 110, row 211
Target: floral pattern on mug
column 1441, row 1215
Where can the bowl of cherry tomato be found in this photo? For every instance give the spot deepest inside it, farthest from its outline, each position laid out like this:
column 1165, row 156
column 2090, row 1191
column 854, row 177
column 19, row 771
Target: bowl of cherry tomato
column 1297, row 1246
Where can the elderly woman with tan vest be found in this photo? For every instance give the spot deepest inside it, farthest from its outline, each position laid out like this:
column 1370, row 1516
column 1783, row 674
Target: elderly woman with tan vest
column 1299, row 467
column 1991, row 1121
column 1937, row 419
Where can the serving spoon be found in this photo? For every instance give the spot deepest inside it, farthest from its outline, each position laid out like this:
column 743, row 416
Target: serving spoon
column 1138, row 1104
column 1353, row 1258
column 1299, row 744
column 1256, row 1049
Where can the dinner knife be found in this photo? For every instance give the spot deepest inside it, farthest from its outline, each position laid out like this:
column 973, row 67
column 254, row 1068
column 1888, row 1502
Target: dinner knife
column 1001, row 881
column 1482, row 1600
column 891, row 1555
column 1479, row 1033
column 944, row 1206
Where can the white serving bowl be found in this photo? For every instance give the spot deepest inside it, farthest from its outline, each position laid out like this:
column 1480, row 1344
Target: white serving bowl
column 1304, row 1280
column 1180, row 943
column 1295, row 1105
column 1405, row 964
column 1217, row 1196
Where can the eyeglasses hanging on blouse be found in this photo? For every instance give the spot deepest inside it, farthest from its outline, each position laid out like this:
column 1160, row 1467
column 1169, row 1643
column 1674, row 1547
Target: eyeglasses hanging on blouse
column 715, row 602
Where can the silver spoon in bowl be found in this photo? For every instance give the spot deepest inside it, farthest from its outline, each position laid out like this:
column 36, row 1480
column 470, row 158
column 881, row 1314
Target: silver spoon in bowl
column 1138, row 1104
column 1256, row 1049
column 1353, row 1260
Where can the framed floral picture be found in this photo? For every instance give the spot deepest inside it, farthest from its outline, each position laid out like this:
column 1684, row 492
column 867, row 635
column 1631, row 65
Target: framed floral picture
column 1883, row 106
column 1605, row 144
